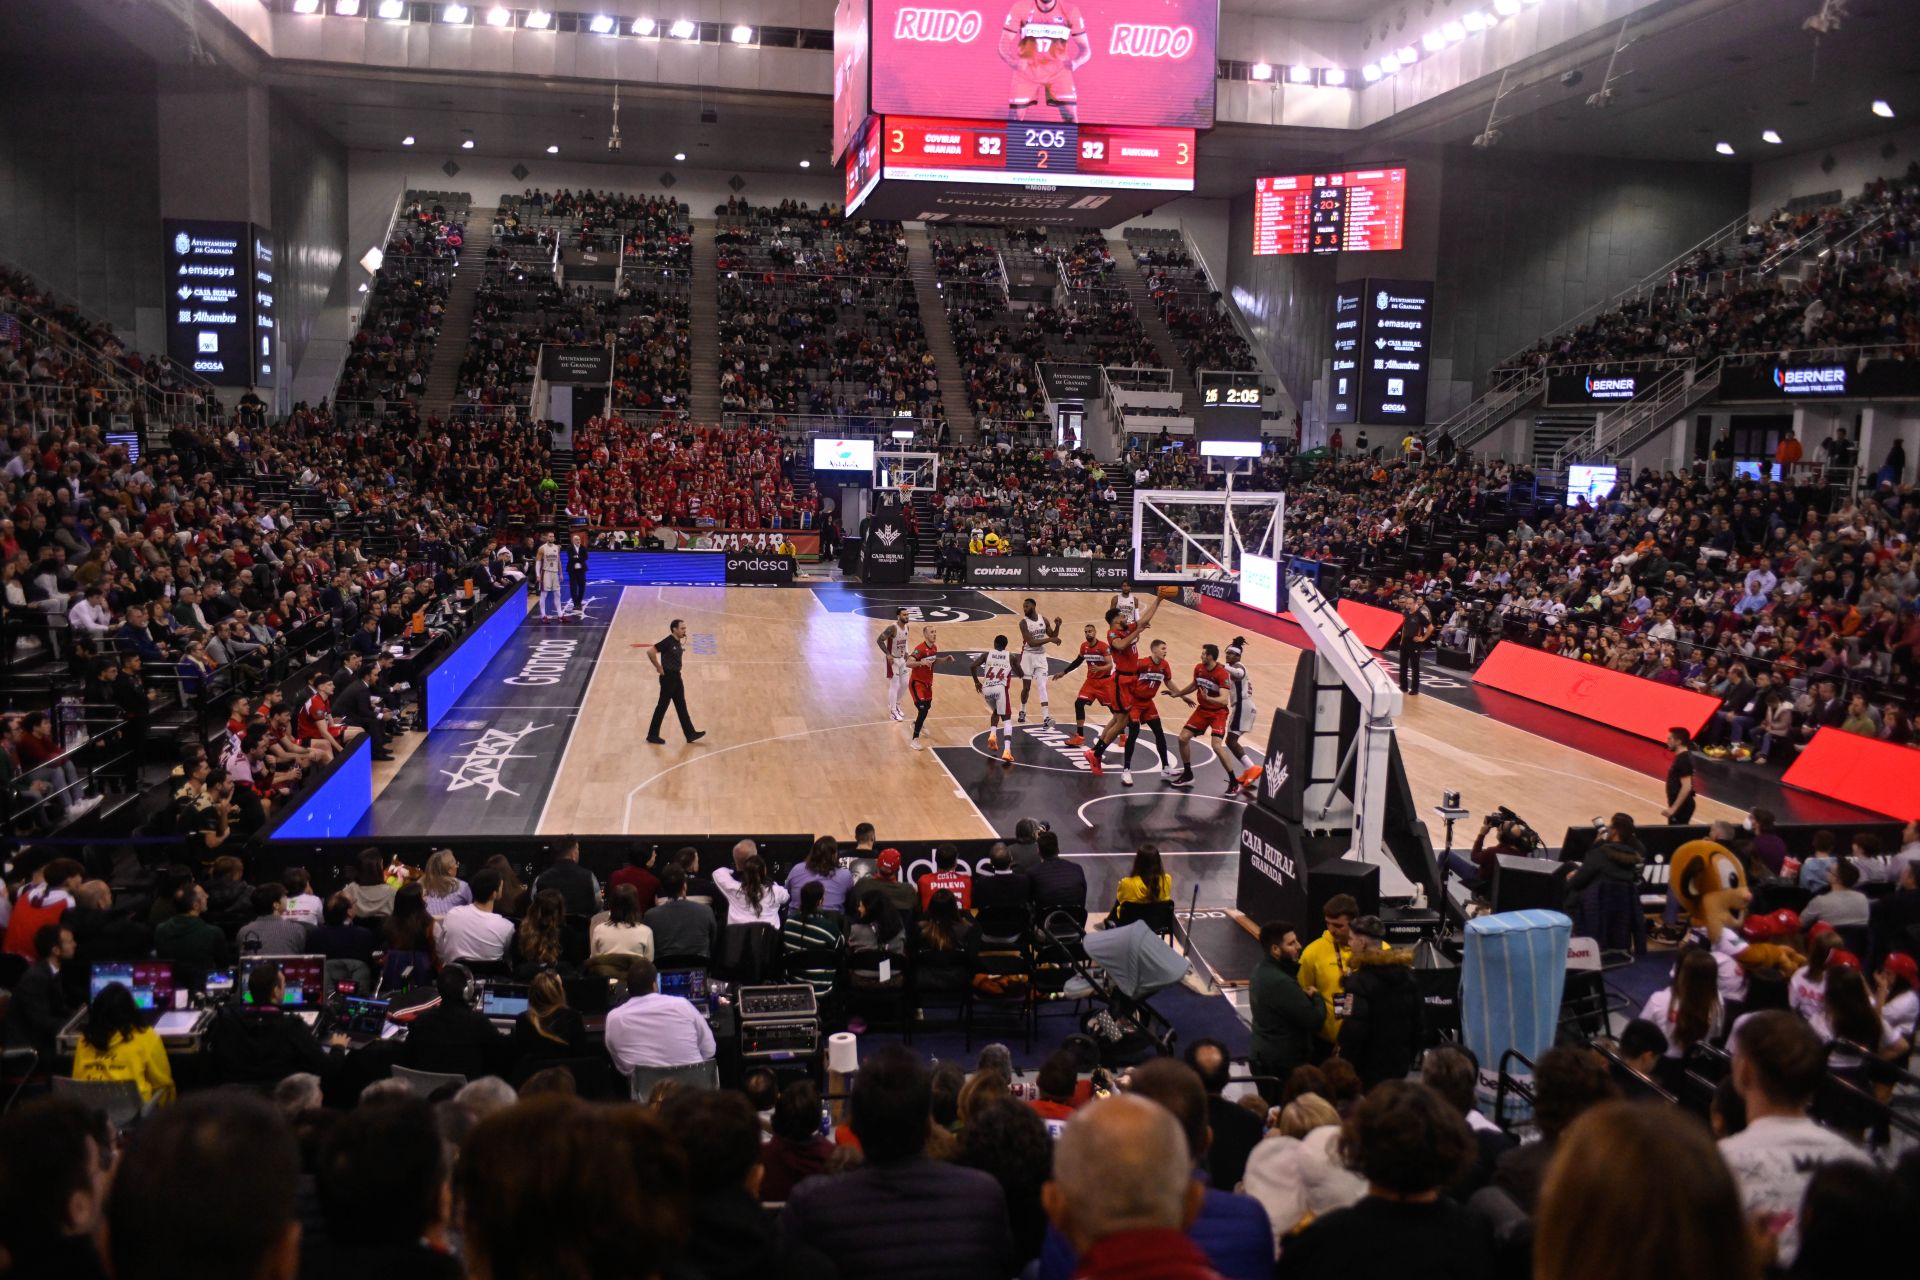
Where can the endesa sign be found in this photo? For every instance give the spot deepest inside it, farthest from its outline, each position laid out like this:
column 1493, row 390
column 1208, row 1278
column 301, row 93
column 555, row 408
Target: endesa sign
column 756, row 569
column 1134, row 62
column 1594, row 388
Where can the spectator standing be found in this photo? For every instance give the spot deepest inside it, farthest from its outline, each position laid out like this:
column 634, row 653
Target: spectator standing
column 1323, row 964
column 1383, row 1029
column 1286, row 1010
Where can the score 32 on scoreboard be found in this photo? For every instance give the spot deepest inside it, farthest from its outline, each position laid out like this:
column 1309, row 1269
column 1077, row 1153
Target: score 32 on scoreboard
column 1015, row 153
column 1351, row 212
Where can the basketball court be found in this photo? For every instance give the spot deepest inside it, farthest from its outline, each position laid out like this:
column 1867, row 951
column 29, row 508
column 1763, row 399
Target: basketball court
column 790, row 689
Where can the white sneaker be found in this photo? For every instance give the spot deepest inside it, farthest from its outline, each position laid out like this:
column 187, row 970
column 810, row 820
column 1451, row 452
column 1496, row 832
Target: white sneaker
column 918, row 745
column 897, row 714
column 85, row 805
column 1126, row 777
column 1023, row 716
column 1046, row 722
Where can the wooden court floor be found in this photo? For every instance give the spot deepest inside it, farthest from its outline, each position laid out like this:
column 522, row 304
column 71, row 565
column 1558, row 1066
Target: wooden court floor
column 793, row 698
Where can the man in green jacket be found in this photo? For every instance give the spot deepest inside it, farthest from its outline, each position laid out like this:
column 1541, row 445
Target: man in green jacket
column 1285, row 1013
column 193, row 945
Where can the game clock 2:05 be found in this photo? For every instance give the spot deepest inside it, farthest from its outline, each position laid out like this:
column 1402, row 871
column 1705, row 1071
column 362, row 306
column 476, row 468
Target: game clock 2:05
column 1231, row 396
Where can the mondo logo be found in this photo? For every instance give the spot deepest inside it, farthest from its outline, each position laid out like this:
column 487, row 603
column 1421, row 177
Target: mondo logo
column 937, row 26
column 1147, row 40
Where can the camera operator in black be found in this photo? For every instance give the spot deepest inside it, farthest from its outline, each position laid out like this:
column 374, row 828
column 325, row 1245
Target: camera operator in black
column 1511, row 838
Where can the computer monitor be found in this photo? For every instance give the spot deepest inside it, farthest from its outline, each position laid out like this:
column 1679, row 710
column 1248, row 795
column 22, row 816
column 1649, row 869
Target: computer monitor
column 306, row 979
column 503, row 999
column 689, row 984
column 150, row 981
column 365, row 1015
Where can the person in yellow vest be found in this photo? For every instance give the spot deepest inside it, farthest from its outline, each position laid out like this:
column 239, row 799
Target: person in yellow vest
column 118, row 1045
column 976, row 546
column 1324, row 963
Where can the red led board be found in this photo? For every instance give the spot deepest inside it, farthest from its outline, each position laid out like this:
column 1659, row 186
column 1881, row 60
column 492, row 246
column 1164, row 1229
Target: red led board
column 1008, row 153
column 1358, row 211
column 1874, row 775
column 1376, row 627
column 1627, row 703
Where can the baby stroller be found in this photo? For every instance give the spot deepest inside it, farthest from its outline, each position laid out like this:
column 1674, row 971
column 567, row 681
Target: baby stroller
column 1119, row 970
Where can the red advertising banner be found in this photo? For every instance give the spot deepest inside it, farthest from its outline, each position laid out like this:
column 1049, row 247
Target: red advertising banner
column 850, row 49
column 1375, row 626
column 1874, row 775
column 1624, row 702
column 1136, row 62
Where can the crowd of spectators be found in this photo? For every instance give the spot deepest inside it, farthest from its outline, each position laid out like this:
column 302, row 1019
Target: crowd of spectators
column 654, row 230
column 1191, row 310
column 392, row 351
column 641, row 477
column 54, row 360
column 426, row 229
column 1866, row 294
column 1017, row 499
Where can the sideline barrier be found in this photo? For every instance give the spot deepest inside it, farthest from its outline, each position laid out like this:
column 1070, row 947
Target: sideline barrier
column 335, row 804
column 1049, row 573
column 1628, row 703
column 461, row 665
column 692, row 568
column 1375, row 626
column 1877, row 776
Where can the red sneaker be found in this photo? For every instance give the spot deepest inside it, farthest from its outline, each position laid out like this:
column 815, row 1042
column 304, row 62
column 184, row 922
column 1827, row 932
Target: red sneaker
column 1247, row 779
column 1077, row 740
column 1093, row 758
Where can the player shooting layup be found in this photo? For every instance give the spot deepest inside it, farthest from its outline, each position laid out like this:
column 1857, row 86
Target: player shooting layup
column 1036, row 633
column 893, row 642
column 1045, row 42
column 1123, row 652
column 991, row 674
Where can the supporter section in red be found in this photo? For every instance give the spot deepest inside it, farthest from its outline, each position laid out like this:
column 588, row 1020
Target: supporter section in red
column 1627, row 703
column 1375, row 626
column 1874, row 775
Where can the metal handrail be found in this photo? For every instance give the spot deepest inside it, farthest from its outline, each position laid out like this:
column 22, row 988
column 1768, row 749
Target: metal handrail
column 1506, row 389
column 1705, row 381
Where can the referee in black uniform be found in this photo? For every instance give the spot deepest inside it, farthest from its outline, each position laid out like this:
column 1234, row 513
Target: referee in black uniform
column 665, row 656
column 1414, row 633
column 576, row 566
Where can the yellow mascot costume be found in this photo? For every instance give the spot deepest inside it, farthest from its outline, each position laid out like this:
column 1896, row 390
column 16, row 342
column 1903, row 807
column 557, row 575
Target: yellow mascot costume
column 1709, row 882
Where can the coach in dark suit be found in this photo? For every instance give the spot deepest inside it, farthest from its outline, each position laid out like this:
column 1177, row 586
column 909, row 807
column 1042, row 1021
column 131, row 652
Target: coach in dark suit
column 577, row 571
column 353, row 705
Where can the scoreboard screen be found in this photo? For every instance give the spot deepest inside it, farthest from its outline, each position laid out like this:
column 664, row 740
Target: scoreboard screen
column 1132, row 62
column 849, row 73
column 1228, row 424
column 1353, row 212
column 1009, row 153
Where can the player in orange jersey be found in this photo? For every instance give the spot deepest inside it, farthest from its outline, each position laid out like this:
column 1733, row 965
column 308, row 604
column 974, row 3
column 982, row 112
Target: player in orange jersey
column 1097, row 687
column 1123, row 650
column 1210, row 682
column 1153, row 678
column 1045, row 42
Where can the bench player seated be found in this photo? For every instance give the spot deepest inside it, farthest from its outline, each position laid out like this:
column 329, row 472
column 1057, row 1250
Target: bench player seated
column 1045, row 42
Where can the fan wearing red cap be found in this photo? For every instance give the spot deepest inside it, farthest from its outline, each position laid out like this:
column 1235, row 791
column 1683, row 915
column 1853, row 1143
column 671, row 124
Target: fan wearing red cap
column 1780, row 926
column 1898, row 987
column 885, row 880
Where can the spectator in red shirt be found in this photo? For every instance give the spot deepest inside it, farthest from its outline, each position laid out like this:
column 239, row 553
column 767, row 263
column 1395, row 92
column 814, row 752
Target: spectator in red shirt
column 948, row 875
column 1058, row 1080
column 638, row 873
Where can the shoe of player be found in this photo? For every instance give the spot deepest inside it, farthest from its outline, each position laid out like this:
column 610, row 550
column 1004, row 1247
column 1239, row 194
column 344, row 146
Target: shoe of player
column 897, row 713
column 1169, row 765
column 1046, row 722
column 918, row 745
column 1093, row 759
column 1077, row 740
column 1007, row 755
column 1126, row 777
column 1023, row 716
column 1185, row 779
column 993, row 742
column 1233, row 787
column 1248, row 778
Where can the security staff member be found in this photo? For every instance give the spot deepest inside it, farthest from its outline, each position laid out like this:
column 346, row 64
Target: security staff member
column 577, row 573
column 1415, row 630
column 665, row 656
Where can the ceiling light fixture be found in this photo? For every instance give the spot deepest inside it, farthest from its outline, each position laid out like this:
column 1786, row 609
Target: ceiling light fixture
column 1453, row 31
column 1433, row 42
column 1407, row 54
column 407, row 141
column 467, row 145
column 680, row 156
column 601, row 25
column 742, row 34
column 1370, row 72
column 539, row 20
column 683, row 29
column 499, row 16
column 1724, row 148
column 1389, row 64
column 1506, row 8
column 806, row 164
column 1299, row 75
column 454, row 14
column 1770, row 135
column 393, row 10
column 346, row 8
column 306, row 6
column 1882, row 108
column 1333, row 77
column 1262, row 71
column 643, row 26
column 553, row 151
column 1474, row 20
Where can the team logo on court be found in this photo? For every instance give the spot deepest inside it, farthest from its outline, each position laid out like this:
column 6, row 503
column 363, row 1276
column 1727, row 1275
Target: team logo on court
column 486, row 756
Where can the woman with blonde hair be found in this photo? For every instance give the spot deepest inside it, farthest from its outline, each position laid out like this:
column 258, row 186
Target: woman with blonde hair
column 1296, row 1173
column 549, row 1030
column 1636, row 1190
column 444, row 888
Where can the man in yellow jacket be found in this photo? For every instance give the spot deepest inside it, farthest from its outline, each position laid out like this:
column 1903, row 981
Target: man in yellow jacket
column 1324, row 963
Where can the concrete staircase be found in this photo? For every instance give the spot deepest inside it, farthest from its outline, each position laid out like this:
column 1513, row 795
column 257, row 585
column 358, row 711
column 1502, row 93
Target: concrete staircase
column 456, row 323
column 1127, row 272
column 946, row 357
column 704, row 321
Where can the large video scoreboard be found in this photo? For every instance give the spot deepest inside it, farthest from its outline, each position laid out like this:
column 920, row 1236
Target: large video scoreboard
column 1352, row 212
column 1037, row 110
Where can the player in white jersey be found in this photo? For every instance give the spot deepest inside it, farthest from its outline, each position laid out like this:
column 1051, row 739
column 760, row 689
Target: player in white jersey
column 1035, row 635
column 992, row 673
column 1128, row 606
column 894, row 643
column 1241, row 713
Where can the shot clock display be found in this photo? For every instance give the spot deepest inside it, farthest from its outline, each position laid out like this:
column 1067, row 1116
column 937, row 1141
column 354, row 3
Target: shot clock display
column 1015, row 153
column 1356, row 211
column 1228, row 425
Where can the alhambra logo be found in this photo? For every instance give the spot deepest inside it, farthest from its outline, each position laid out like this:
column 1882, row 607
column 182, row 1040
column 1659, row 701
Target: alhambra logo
column 485, row 757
